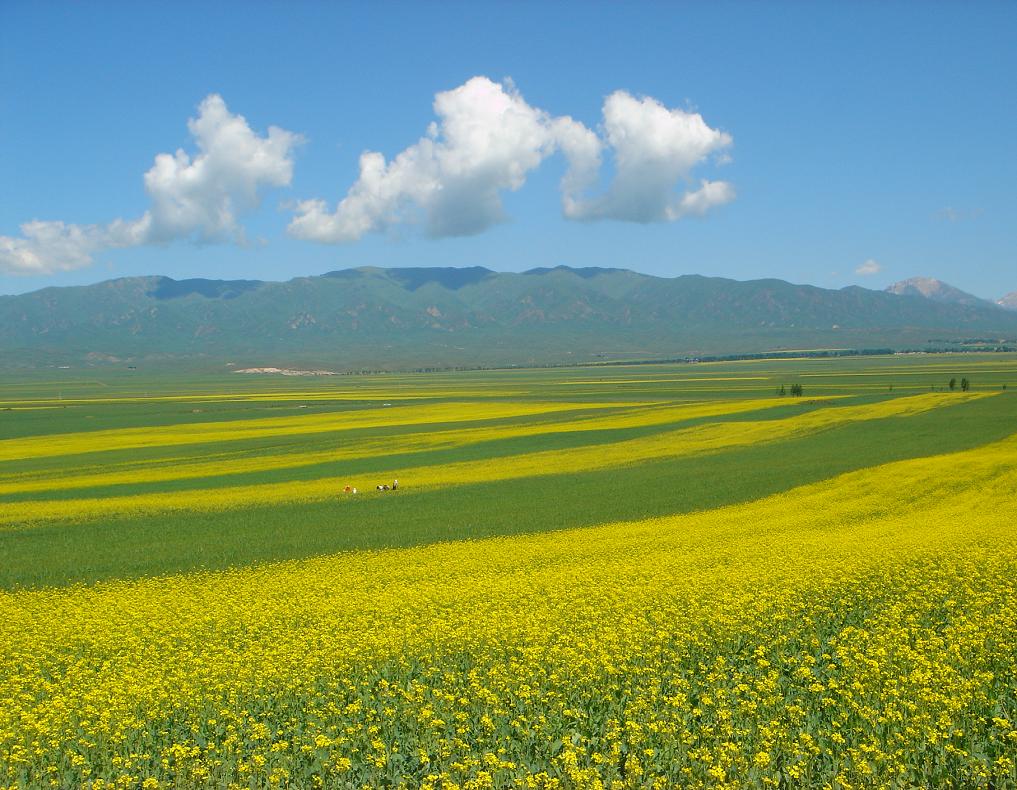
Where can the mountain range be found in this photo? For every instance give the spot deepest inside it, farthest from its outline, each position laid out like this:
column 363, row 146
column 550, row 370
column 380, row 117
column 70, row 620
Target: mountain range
column 409, row 318
column 936, row 290
column 939, row 291
column 1009, row 301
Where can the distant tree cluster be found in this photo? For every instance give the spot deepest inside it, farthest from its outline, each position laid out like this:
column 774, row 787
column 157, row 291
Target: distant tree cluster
column 796, row 391
column 965, row 385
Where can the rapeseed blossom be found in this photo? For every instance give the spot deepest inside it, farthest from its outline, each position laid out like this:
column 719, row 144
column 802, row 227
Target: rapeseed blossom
column 49, row 497
column 858, row 632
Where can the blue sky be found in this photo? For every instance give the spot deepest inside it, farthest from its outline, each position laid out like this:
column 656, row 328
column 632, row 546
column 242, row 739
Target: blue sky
column 818, row 138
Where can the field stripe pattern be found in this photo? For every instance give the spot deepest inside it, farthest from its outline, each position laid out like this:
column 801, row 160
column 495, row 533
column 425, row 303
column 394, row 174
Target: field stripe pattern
column 683, row 442
column 827, row 635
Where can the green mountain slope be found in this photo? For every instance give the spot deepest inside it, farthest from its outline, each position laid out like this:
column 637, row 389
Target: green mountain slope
column 372, row 318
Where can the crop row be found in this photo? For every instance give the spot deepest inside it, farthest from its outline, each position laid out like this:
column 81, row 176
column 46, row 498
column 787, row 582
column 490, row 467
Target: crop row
column 858, row 632
column 234, row 492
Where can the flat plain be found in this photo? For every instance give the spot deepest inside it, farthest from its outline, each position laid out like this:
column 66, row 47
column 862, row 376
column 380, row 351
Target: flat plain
column 612, row 576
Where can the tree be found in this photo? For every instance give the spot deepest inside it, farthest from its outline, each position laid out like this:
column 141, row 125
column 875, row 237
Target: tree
column 782, row 392
column 953, row 384
column 965, row 385
column 796, row 390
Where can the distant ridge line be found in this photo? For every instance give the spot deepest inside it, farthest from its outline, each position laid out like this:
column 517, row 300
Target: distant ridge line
column 450, row 317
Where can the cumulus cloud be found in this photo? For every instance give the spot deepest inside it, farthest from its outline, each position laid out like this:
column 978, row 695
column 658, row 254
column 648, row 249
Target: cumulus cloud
column 203, row 195
column 196, row 197
column 869, row 267
column 487, row 140
column 654, row 150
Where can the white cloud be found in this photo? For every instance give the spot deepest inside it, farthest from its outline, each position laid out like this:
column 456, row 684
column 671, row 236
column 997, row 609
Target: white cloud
column 197, row 197
column 654, row 150
column 203, row 195
column 869, row 267
column 487, row 139
column 950, row 214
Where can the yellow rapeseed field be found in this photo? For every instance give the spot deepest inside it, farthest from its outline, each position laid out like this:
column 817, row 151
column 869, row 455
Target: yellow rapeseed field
column 307, row 424
column 393, row 391
column 625, row 415
column 856, row 633
column 682, row 442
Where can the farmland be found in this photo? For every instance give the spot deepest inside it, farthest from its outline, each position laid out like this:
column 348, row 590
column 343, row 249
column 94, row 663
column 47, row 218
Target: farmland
column 618, row 576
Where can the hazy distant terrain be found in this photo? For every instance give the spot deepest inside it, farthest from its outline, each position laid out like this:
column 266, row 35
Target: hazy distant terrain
column 936, row 290
column 372, row 318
